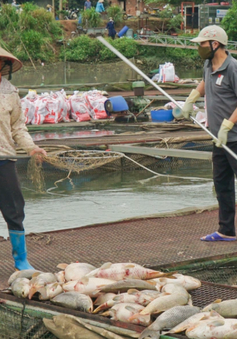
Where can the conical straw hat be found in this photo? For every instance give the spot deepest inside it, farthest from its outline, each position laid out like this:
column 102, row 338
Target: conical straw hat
column 5, row 57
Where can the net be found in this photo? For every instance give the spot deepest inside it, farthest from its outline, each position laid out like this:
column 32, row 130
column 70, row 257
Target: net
column 20, row 325
column 78, row 161
column 71, row 161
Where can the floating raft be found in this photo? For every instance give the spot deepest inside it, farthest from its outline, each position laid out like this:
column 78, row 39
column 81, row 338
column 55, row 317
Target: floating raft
column 32, row 312
column 169, row 242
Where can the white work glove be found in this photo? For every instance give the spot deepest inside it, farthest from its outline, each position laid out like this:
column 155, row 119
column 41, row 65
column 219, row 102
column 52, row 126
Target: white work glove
column 226, row 126
column 188, row 106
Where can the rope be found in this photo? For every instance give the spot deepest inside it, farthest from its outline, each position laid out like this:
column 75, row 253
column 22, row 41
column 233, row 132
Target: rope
column 78, row 161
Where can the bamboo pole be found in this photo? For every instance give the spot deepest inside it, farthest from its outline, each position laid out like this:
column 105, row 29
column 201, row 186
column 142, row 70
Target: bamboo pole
column 121, row 56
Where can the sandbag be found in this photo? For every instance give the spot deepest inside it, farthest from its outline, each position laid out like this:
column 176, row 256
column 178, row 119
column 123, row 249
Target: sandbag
column 168, row 72
column 79, row 108
column 95, row 101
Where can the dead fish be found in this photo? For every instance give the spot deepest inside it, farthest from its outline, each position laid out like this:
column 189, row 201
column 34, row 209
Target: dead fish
column 60, row 276
column 68, row 326
column 61, row 327
column 69, row 286
column 217, row 329
column 120, row 271
column 226, row 308
column 22, row 274
column 39, row 280
column 76, row 271
column 74, row 300
column 125, row 311
column 189, row 283
column 175, row 295
column 135, row 296
column 168, row 319
column 89, row 286
column 195, row 319
column 124, row 285
column 21, row 287
column 49, row 291
column 132, row 296
column 103, row 297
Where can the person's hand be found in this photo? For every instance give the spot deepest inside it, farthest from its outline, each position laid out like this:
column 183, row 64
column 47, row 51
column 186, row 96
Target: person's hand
column 39, row 152
column 222, row 136
column 188, row 106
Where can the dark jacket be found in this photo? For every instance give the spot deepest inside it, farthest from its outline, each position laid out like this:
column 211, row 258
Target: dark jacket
column 111, row 29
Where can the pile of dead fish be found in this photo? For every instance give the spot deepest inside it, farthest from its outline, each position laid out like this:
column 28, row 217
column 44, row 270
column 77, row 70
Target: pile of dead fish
column 130, row 293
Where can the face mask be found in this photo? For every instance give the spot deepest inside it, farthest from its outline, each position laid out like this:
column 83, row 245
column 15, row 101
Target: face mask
column 205, row 52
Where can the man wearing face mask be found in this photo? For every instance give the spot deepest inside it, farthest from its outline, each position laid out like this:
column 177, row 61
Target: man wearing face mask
column 219, row 85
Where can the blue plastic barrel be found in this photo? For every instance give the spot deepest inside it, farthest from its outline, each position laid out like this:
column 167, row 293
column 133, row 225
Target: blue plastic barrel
column 162, row 115
column 123, row 31
column 115, row 104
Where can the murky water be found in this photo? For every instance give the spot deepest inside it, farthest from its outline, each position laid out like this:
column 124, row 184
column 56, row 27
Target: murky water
column 74, row 73
column 104, row 197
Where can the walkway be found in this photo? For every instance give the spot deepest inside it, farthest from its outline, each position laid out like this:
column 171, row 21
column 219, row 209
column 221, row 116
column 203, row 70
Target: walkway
column 176, row 42
column 156, row 241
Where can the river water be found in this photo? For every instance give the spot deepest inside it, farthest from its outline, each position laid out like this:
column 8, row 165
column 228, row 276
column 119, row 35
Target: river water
column 103, row 197
column 74, row 73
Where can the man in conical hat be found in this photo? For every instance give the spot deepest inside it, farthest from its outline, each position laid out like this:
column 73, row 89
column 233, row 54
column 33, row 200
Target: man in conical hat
column 13, row 131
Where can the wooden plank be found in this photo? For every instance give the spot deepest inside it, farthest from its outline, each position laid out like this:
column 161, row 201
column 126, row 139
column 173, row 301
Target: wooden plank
column 161, row 152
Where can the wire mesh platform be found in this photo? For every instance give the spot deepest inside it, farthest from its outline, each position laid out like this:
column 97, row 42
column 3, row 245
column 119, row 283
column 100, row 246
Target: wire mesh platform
column 167, row 242
column 158, row 242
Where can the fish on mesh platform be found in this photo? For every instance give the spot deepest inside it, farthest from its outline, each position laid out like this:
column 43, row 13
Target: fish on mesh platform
column 131, row 296
column 76, row 271
column 167, row 320
column 226, row 308
column 121, row 271
column 125, row 312
column 218, row 329
column 74, row 300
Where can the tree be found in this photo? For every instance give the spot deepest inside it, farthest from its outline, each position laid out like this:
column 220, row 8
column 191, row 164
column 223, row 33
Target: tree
column 175, row 23
column 229, row 22
column 116, row 13
column 91, row 18
column 166, row 14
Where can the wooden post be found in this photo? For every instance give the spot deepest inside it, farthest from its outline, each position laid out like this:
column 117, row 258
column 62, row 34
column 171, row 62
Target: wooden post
column 53, row 8
column 60, row 9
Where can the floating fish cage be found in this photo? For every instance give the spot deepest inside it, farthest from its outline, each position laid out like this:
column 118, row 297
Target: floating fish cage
column 122, row 158
column 16, row 323
column 161, row 162
column 23, row 319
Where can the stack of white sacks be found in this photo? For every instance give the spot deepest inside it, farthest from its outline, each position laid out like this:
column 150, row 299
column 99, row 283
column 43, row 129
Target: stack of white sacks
column 55, row 107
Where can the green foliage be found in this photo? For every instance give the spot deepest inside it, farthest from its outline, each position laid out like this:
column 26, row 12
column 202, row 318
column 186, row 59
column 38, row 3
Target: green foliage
column 81, row 49
column 85, row 49
column 175, row 22
column 8, row 17
column 91, row 18
column 153, row 56
column 29, row 33
column 165, row 15
column 116, row 13
column 228, row 23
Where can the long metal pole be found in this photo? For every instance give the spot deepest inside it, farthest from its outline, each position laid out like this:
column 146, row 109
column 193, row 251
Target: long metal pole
column 121, row 56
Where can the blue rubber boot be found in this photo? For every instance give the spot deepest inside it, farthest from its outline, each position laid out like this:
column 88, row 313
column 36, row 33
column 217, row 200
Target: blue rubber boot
column 19, row 251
